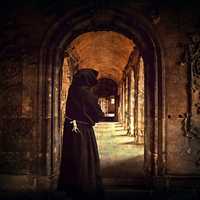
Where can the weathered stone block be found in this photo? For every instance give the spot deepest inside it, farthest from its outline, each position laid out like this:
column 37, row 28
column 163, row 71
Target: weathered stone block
column 11, row 101
column 18, row 183
column 16, row 134
column 15, row 163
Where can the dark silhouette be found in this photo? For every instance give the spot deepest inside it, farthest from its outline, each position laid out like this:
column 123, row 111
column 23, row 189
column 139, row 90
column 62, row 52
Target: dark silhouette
column 80, row 167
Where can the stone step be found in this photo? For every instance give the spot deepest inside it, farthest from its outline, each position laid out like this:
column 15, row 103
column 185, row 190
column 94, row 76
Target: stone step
column 108, row 131
column 107, row 126
column 111, row 125
column 104, row 128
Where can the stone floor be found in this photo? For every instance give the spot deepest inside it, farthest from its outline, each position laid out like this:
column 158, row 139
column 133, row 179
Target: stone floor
column 111, row 194
column 119, row 156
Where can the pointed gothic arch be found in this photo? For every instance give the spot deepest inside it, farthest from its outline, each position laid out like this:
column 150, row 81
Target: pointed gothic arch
column 81, row 20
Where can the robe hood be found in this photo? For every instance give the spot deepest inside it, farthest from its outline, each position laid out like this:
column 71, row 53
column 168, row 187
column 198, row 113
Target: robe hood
column 85, row 77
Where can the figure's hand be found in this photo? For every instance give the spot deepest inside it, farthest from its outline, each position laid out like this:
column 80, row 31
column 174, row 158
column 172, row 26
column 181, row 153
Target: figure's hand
column 75, row 127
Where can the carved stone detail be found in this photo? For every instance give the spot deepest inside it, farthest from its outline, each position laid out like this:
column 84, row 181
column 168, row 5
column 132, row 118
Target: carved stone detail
column 191, row 121
column 194, row 54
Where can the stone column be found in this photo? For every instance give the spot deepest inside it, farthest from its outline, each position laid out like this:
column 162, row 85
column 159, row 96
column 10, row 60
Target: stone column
column 18, row 139
column 141, row 102
column 136, row 103
column 132, row 102
column 129, row 103
column 124, row 102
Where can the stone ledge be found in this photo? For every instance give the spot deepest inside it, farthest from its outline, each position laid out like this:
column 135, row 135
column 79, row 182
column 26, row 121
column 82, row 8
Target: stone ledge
column 26, row 183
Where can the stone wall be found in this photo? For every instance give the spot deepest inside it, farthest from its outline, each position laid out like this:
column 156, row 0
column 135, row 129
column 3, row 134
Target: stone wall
column 21, row 148
column 174, row 28
column 24, row 149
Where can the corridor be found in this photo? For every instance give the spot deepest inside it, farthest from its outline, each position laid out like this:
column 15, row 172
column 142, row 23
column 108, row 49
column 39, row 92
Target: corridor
column 120, row 91
column 120, row 158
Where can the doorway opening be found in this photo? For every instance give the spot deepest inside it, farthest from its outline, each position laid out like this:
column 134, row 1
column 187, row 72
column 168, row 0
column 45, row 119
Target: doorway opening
column 146, row 51
column 106, row 91
column 120, row 90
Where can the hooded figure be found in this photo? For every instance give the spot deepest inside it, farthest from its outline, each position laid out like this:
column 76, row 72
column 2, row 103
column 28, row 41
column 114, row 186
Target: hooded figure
column 80, row 166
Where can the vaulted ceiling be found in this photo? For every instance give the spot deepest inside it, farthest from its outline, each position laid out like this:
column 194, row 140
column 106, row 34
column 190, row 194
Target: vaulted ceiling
column 105, row 51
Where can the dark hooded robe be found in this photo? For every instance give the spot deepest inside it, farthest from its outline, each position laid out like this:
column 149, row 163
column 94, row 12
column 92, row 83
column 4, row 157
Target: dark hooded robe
column 80, row 165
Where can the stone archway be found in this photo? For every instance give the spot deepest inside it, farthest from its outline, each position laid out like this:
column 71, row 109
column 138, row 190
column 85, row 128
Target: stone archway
column 135, row 27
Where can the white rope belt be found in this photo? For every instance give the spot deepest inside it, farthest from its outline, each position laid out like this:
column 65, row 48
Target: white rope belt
column 74, row 124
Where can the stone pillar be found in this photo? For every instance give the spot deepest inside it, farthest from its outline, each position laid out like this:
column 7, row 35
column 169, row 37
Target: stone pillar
column 125, row 102
column 132, row 102
column 18, row 139
column 141, row 102
column 66, row 80
column 119, row 102
column 116, row 107
column 136, row 103
column 129, row 103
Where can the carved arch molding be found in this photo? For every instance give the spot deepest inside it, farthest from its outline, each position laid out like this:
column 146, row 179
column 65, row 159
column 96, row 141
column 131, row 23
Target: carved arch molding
column 51, row 54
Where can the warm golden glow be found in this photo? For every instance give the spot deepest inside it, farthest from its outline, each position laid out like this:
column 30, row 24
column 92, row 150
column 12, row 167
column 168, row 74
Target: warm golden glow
column 105, row 51
column 66, row 77
column 113, row 56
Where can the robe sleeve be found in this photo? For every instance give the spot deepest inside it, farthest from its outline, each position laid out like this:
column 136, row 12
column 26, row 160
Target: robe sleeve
column 93, row 109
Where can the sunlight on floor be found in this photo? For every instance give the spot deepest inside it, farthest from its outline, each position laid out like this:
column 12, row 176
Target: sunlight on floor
column 119, row 156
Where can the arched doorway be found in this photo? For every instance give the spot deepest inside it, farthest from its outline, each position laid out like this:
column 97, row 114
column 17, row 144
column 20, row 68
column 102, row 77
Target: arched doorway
column 51, row 57
column 120, row 134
